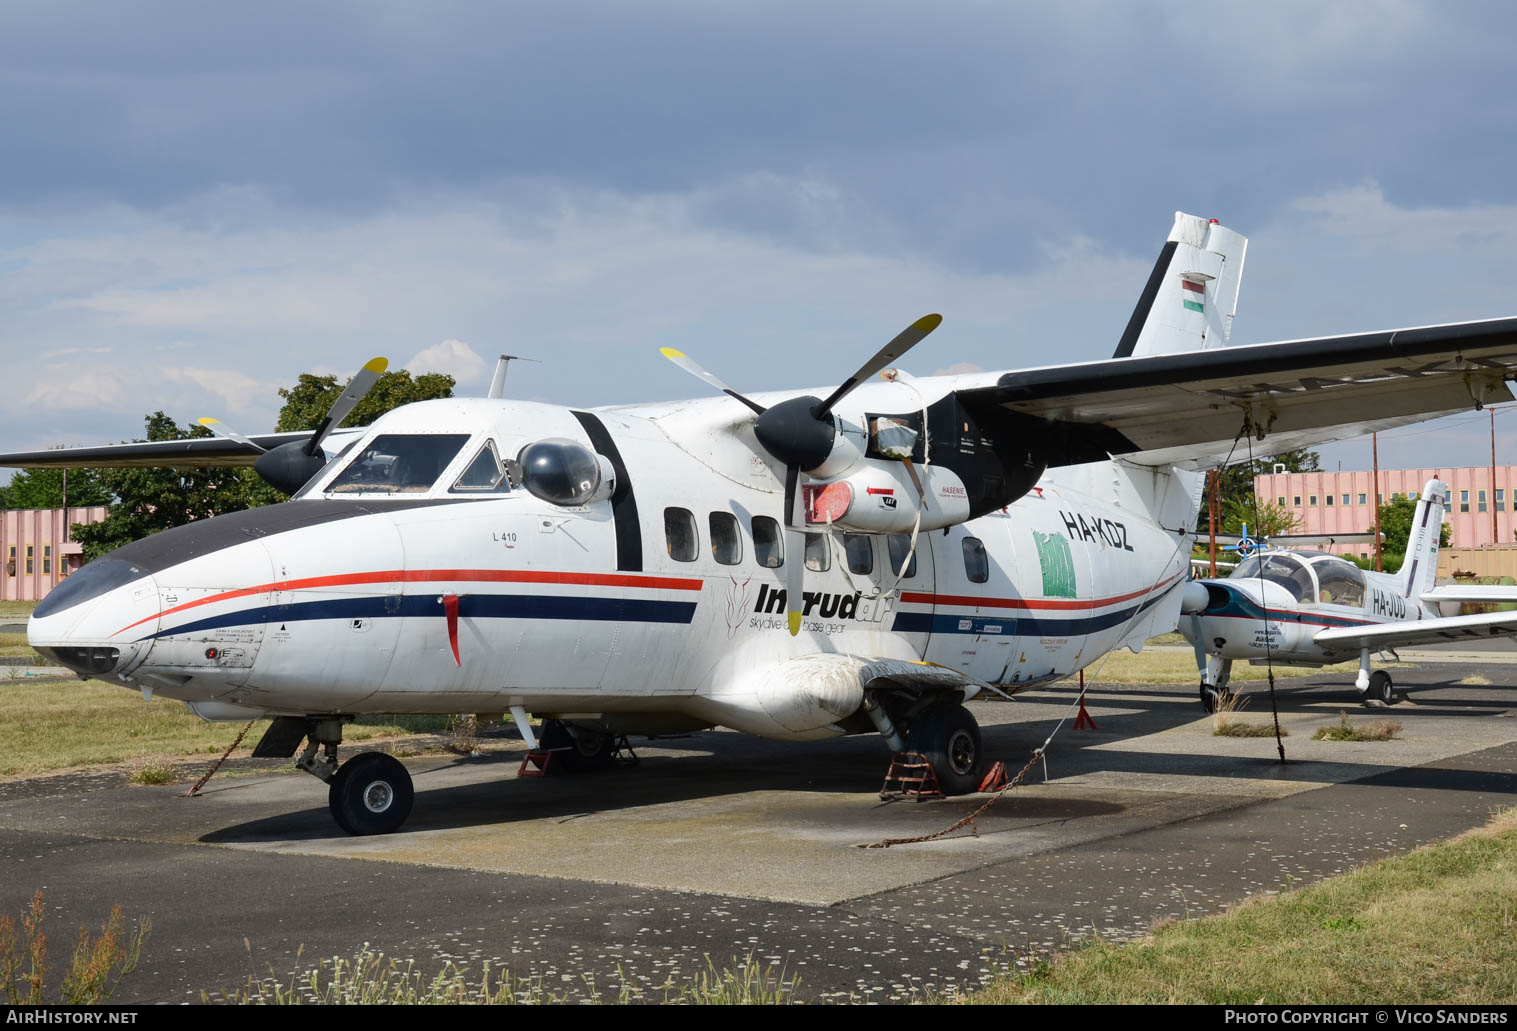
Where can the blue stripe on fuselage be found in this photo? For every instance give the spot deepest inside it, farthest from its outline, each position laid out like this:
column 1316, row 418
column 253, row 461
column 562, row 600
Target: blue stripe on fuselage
column 1019, row 626
column 470, row 606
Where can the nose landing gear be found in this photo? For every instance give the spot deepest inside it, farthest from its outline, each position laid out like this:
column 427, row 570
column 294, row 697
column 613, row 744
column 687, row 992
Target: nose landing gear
column 371, row 793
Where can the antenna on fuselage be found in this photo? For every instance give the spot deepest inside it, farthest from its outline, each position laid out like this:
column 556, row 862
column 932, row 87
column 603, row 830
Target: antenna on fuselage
column 498, row 381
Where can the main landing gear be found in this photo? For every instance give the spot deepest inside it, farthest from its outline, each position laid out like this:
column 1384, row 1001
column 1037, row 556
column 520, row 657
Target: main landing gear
column 1377, row 684
column 949, row 736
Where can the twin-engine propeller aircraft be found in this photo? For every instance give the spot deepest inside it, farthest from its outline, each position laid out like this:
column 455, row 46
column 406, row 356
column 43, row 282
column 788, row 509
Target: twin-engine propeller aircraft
column 1308, row 608
column 797, row 565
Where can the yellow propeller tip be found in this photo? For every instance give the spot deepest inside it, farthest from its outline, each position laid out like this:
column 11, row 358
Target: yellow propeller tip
column 669, row 352
column 207, row 421
column 928, row 323
column 795, row 623
column 376, row 365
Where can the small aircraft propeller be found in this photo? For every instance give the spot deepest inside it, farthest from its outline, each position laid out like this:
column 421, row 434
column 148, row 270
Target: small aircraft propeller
column 288, row 466
column 801, row 433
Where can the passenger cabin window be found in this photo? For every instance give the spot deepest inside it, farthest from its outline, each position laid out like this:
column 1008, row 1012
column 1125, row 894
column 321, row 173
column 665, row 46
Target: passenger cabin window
column 900, row 546
column 818, row 553
column 399, row 463
column 976, row 562
column 485, row 475
column 768, row 545
column 679, row 531
column 860, row 551
column 726, row 541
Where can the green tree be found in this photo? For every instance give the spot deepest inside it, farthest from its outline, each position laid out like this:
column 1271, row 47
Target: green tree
column 306, row 403
column 1396, row 524
column 149, row 500
column 44, row 488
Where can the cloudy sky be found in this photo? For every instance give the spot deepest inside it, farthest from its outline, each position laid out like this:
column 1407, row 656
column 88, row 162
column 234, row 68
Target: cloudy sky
column 197, row 205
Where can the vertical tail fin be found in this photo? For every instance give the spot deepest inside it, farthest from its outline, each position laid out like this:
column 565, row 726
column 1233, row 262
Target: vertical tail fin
column 1191, row 296
column 1421, row 563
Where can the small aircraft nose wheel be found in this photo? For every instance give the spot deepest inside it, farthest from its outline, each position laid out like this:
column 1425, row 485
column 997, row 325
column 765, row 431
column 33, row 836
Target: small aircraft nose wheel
column 371, row 794
column 949, row 736
column 1381, row 687
column 1210, row 697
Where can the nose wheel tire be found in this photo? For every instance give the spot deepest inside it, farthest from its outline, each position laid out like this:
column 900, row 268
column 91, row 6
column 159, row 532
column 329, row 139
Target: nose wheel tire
column 949, row 736
column 1381, row 687
column 371, row 794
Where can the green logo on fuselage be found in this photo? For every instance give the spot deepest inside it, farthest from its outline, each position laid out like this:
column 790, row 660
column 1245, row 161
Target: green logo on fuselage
column 1058, row 565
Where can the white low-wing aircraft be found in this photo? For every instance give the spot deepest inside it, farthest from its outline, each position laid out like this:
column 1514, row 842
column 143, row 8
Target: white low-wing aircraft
column 797, row 565
column 1308, row 608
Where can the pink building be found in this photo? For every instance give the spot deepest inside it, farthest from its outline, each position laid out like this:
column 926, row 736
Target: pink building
column 1340, row 502
column 37, row 552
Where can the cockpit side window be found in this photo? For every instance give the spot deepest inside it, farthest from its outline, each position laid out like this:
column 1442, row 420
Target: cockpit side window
column 485, row 475
column 1340, row 583
column 399, row 463
column 1289, row 573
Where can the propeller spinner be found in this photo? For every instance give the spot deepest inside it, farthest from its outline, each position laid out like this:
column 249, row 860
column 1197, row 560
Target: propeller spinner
column 288, row 466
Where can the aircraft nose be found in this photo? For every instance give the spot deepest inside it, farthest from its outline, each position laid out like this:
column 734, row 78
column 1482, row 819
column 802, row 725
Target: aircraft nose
column 77, row 624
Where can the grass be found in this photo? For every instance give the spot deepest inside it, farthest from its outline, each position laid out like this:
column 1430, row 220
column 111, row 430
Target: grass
column 66, row 724
column 1176, row 667
column 153, row 771
column 372, row 978
column 1343, row 730
column 15, row 646
column 1433, row 926
column 96, row 965
column 16, row 611
column 1225, row 722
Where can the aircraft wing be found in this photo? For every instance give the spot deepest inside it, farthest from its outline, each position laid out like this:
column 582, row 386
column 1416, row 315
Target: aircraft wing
column 194, row 452
column 1189, row 408
column 1423, row 631
column 1476, row 593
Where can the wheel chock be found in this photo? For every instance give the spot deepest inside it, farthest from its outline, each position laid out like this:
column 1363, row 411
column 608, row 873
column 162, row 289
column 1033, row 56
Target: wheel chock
column 535, row 764
column 996, row 777
column 910, row 776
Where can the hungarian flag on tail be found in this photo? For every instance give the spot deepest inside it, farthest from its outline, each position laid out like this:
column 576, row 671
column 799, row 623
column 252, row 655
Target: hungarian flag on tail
column 1193, row 295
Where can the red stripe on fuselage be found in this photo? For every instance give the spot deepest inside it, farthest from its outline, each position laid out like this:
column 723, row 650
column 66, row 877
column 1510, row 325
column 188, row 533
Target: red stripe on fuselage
column 510, row 576
column 1058, row 604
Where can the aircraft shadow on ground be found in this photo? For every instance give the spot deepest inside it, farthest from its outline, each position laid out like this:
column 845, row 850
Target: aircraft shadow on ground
column 729, row 764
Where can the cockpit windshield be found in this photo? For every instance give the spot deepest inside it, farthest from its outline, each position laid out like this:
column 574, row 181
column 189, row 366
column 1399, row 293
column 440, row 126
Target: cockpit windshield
column 399, row 463
column 1282, row 569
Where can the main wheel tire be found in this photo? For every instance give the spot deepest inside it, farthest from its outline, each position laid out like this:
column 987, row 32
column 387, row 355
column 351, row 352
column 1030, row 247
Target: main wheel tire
column 1381, row 687
column 577, row 752
column 949, row 736
column 371, row 794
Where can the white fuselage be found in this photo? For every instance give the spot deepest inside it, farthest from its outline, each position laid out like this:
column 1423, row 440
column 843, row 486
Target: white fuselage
column 339, row 603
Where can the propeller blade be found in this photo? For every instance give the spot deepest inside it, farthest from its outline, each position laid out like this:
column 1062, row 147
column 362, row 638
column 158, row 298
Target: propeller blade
column 693, row 367
column 353, row 393
column 904, row 341
column 795, row 578
column 221, row 430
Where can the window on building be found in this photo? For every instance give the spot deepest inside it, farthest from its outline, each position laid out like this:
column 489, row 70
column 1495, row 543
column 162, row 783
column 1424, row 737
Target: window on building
column 10, row 563
column 1501, row 499
column 1464, row 501
column 976, row 562
column 768, row 544
column 679, row 532
column 1380, row 499
column 1345, row 499
column 28, row 560
column 1311, row 501
column 726, row 541
column 1280, row 501
column 1363, row 498
column 1297, row 502
column 859, row 548
column 1329, row 500
column 47, row 560
column 1480, row 501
